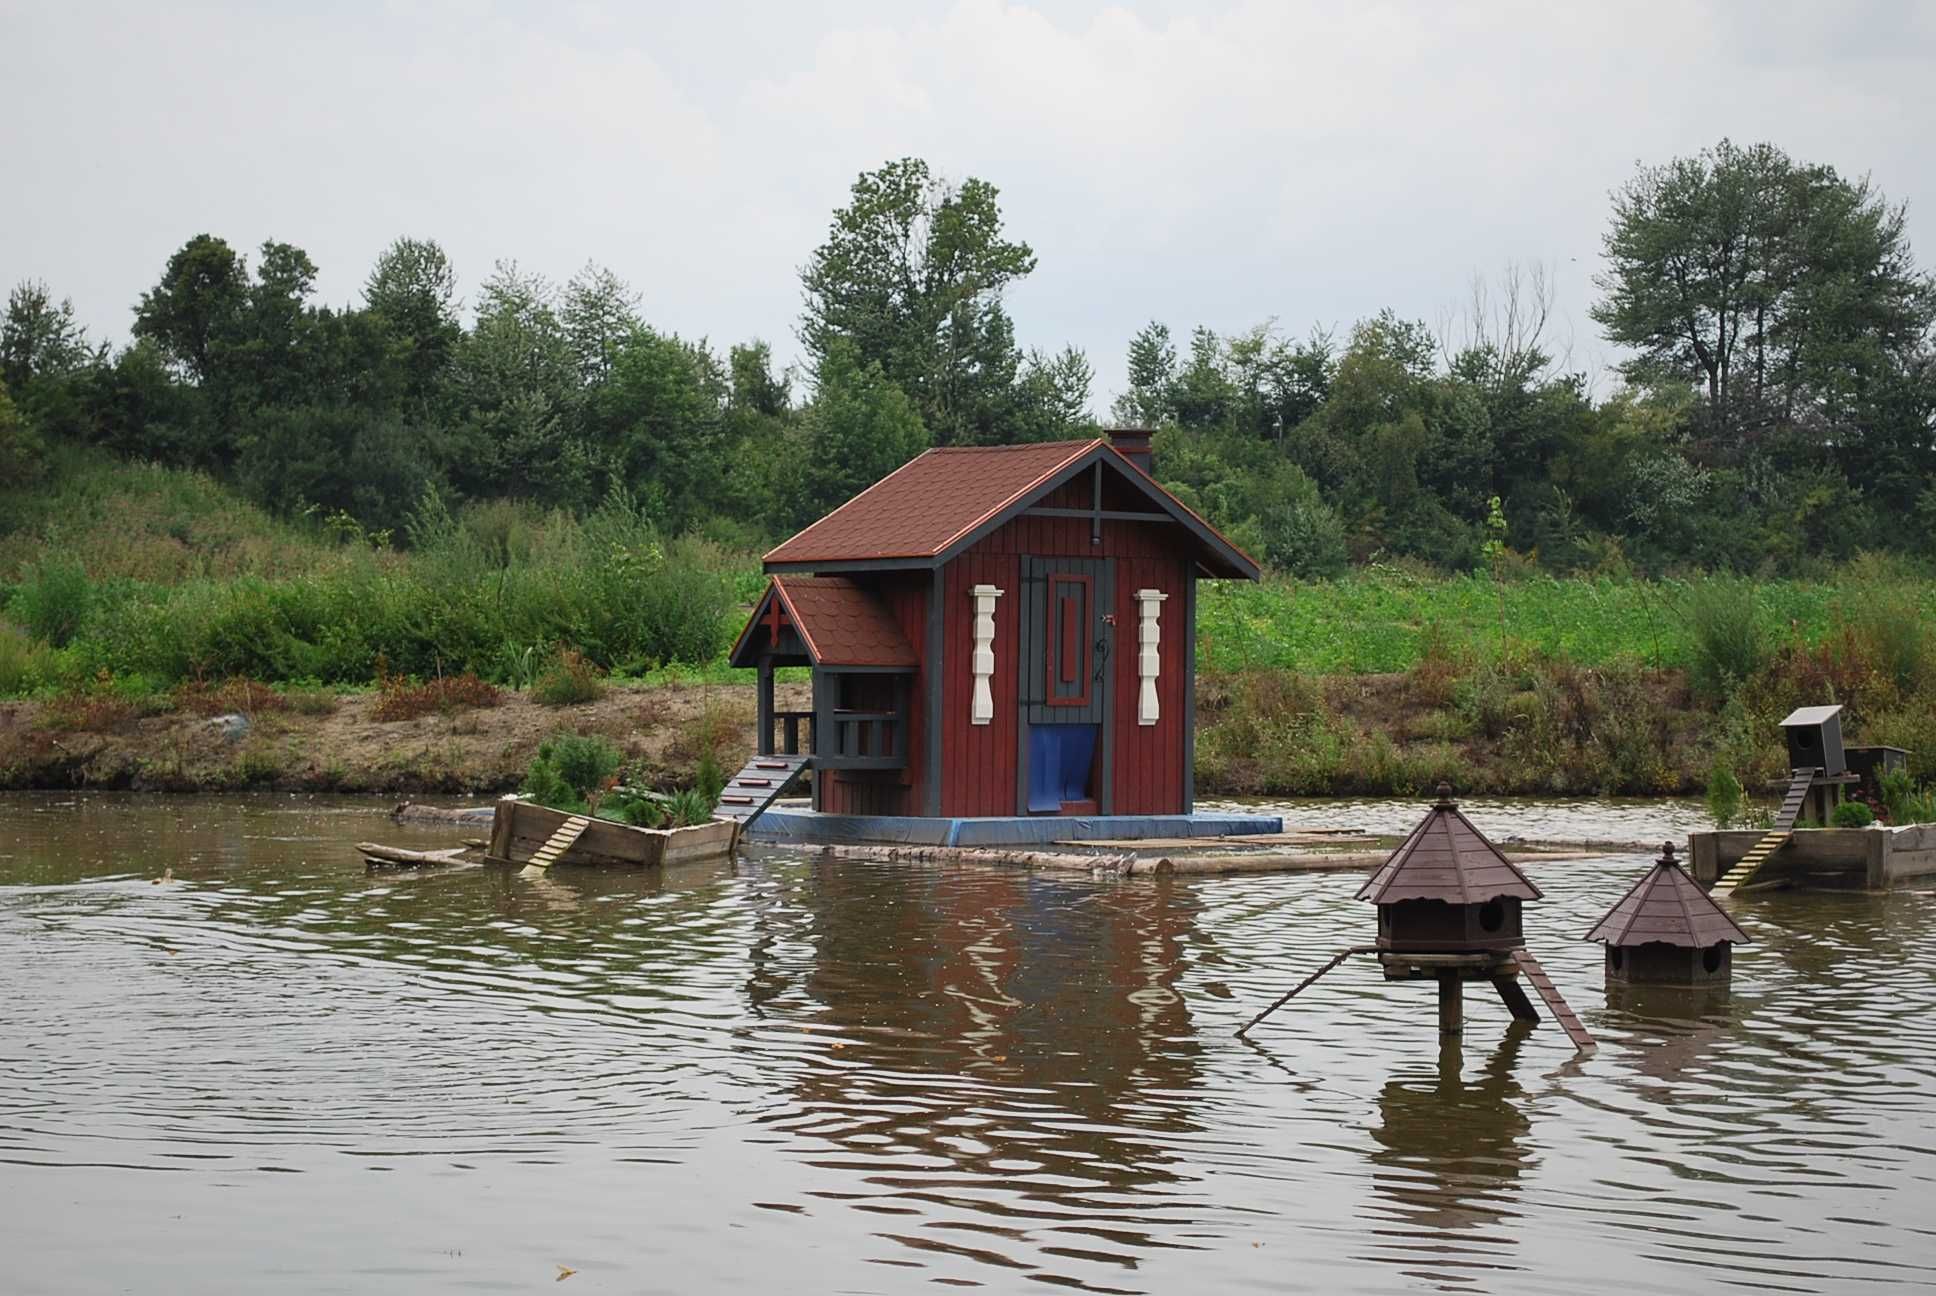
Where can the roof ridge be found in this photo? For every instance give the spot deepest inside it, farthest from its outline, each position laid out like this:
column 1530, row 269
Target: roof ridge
column 1008, row 445
column 1680, row 895
column 1034, row 484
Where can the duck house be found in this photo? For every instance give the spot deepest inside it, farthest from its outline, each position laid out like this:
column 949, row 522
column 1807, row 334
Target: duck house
column 1001, row 644
column 1666, row 931
column 1450, row 911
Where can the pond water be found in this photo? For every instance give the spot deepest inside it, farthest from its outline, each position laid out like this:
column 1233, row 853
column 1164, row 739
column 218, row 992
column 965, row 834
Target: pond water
column 276, row 1072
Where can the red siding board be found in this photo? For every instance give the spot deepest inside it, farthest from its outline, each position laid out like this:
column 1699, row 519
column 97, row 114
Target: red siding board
column 978, row 762
column 1149, row 758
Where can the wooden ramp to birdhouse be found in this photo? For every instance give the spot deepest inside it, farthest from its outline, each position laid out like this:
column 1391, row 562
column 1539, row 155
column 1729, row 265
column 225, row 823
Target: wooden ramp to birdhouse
column 1669, row 907
column 1448, row 859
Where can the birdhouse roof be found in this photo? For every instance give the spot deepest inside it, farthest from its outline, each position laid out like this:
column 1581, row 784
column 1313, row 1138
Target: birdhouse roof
column 941, row 502
column 1811, row 715
column 1667, row 906
column 1448, row 859
column 838, row 622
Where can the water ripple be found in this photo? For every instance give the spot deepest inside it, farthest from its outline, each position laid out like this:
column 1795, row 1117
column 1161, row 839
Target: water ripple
column 798, row 1072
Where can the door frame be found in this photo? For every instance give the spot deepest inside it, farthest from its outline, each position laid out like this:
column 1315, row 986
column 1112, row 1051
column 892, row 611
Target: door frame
column 1100, row 573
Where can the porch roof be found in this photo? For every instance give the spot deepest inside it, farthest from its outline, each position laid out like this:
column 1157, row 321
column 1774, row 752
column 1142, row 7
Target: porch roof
column 838, row 623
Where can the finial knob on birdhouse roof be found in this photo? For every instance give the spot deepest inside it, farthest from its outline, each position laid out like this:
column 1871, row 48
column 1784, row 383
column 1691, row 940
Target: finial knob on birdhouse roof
column 1445, row 796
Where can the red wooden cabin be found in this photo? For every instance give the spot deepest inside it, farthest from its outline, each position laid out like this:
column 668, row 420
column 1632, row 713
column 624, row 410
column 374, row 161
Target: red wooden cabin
column 994, row 631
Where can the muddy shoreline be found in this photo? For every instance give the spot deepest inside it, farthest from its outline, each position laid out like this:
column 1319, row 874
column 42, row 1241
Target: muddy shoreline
column 337, row 744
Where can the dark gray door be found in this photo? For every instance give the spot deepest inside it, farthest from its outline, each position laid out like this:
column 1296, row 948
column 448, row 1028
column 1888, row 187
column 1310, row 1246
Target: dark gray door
column 1065, row 641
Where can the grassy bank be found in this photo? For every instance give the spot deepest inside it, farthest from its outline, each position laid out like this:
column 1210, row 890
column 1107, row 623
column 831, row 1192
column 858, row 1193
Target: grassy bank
column 132, row 594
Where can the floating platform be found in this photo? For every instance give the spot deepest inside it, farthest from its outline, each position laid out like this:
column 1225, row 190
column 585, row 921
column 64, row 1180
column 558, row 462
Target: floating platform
column 1839, row 859
column 790, row 825
column 521, row 833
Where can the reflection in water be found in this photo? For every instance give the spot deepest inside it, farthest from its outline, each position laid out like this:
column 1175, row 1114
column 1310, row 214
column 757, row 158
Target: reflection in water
column 796, row 1073
column 1025, row 1030
column 1449, row 1152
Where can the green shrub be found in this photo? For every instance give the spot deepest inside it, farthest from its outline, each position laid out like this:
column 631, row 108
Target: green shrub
column 633, row 806
column 1723, row 796
column 1905, row 801
column 568, row 679
column 707, row 780
column 689, row 806
column 1852, row 814
column 52, row 600
column 568, row 769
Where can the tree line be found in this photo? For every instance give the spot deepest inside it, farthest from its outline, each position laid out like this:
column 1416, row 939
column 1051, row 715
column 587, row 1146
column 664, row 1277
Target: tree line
column 1777, row 404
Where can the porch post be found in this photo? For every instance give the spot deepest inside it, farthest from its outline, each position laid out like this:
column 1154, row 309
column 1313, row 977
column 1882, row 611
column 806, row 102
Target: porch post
column 764, row 737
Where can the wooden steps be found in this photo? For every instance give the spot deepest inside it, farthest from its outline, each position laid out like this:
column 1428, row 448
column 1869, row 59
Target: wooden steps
column 1731, row 880
column 1543, row 986
column 762, row 781
column 558, row 843
column 1791, row 804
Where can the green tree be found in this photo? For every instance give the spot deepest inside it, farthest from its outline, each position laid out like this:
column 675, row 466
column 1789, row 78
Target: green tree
column 1780, row 287
column 194, row 310
column 1152, row 373
column 21, row 449
column 39, row 339
column 911, row 275
column 514, row 385
column 660, row 419
column 411, row 294
column 599, row 313
column 1051, row 399
column 859, row 428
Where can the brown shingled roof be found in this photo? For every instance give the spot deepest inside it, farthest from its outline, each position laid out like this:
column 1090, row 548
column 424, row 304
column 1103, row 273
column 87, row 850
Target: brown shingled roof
column 1447, row 859
column 918, row 509
column 1667, row 906
column 840, row 623
column 939, row 499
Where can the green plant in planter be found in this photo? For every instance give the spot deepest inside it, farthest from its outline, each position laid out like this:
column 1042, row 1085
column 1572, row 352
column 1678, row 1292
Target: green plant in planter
column 1852, row 814
column 568, row 768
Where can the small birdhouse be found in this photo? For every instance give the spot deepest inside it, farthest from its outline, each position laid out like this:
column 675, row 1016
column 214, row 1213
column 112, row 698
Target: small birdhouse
column 1815, row 739
column 1666, row 932
column 1447, row 890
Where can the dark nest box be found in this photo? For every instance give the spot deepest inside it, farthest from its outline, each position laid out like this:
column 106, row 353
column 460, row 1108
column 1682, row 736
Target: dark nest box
column 1666, row 932
column 1447, row 890
column 1815, row 740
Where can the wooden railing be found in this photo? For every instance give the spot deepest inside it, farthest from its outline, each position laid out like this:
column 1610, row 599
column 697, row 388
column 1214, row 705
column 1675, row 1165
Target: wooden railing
column 839, row 738
column 786, row 738
column 864, row 740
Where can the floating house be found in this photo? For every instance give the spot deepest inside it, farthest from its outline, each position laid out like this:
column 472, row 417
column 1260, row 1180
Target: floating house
column 1001, row 642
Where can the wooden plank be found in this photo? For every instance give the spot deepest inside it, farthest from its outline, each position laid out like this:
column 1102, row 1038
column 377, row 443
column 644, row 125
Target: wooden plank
column 1575, row 1030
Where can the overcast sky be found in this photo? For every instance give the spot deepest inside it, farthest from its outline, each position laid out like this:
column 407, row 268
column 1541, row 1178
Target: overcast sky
column 1210, row 163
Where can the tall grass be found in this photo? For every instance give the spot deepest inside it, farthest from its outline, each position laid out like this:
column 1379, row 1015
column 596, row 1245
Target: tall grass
column 1729, row 642
column 492, row 594
column 1382, row 619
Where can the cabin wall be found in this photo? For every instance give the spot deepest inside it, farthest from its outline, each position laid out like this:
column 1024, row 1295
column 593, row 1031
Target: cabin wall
column 1150, row 763
column 890, row 792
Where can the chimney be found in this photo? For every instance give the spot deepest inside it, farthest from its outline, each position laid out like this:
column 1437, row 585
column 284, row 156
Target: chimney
column 1132, row 444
